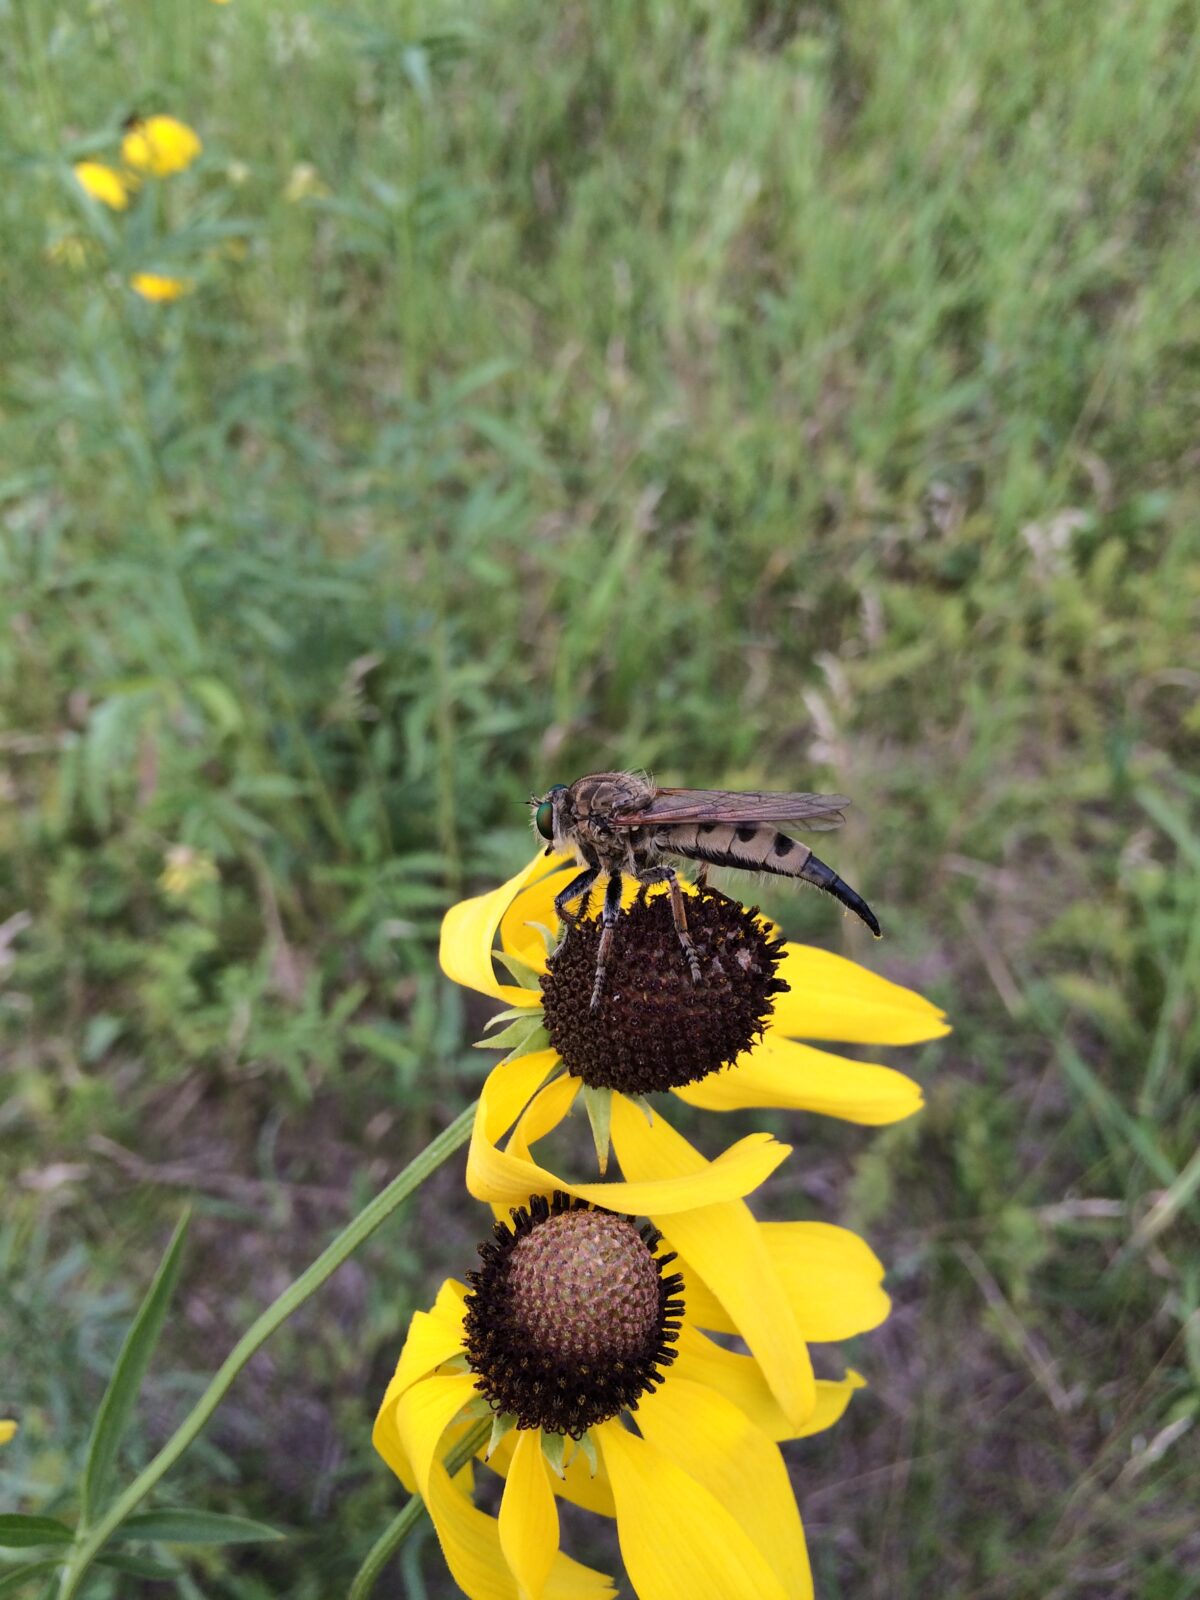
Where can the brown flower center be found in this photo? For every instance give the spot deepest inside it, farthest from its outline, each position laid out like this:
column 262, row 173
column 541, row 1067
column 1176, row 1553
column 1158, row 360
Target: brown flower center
column 570, row 1316
column 654, row 1027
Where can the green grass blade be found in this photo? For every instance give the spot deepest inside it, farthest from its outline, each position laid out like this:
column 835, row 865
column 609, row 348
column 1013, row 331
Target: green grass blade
column 18, row 1532
column 186, row 1526
column 126, row 1381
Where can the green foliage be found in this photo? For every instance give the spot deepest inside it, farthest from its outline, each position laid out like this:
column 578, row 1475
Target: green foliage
column 760, row 394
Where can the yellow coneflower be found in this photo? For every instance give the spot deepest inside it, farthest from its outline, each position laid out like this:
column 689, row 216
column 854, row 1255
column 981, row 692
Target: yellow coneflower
column 730, row 1042
column 158, row 286
column 102, row 183
column 575, row 1321
column 160, row 145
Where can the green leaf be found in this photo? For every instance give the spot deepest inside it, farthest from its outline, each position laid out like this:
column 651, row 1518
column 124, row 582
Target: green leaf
column 186, row 1526
column 14, row 1579
column 117, row 1404
column 136, row 1566
column 18, row 1532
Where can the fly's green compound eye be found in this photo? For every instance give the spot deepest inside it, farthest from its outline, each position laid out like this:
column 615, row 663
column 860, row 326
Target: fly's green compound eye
column 543, row 819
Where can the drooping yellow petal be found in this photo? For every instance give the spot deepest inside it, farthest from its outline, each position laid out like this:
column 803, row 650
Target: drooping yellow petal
column 469, row 936
column 103, row 184
column 678, row 1541
column 505, row 1178
column 543, row 1114
column 528, row 1516
column 829, row 997
column 740, row 1379
column 832, row 1278
column 469, row 1538
column 723, row 1245
column 160, row 145
column 578, row 1485
column 716, row 1444
column 790, row 1076
column 493, row 1174
column 430, row 1342
column 534, row 904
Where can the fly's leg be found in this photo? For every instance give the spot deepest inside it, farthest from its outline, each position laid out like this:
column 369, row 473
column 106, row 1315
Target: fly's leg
column 670, row 877
column 608, row 922
column 577, row 889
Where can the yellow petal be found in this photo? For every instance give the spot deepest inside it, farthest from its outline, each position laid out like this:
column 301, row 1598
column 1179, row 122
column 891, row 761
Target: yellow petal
column 716, row 1444
column 469, row 935
column 833, row 1396
column 8, row 1429
column 534, row 904
column 543, row 1114
column 832, row 1278
column 578, row 1485
column 740, row 1379
column 508, row 1178
column 529, row 1516
column 103, row 184
column 723, row 1245
column 493, row 1174
column 829, row 997
column 160, row 145
column 790, row 1076
column 678, row 1541
column 157, row 287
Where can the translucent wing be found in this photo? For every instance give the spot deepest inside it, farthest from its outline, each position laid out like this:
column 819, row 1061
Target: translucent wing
column 819, row 811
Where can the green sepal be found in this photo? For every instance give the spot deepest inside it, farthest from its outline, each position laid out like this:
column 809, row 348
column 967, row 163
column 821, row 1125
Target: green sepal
column 504, row 1422
column 456, row 1363
column 554, row 1447
column 644, row 1106
column 550, row 940
column 599, row 1110
column 475, row 1407
column 525, row 975
column 537, row 1039
column 590, row 1454
column 513, row 1014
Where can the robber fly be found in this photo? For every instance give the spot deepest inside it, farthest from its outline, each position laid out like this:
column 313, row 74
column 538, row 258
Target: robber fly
column 620, row 822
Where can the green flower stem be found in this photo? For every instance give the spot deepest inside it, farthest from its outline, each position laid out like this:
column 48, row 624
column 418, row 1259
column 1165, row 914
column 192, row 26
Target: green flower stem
column 403, row 1523
column 331, row 1258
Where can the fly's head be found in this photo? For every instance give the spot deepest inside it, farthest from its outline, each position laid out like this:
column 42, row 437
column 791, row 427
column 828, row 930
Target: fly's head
column 554, row 818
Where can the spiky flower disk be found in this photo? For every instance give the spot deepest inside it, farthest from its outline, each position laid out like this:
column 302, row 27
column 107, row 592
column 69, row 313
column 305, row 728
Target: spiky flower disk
column 654, row 1027
column 569, row 1317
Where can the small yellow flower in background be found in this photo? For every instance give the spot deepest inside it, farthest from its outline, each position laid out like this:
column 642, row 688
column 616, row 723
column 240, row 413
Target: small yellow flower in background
column 8, row 1429
column 220, row 2
column 160, row 145
column 103, row 184
column 573, row 1321
column 185, row 870
column 156, row 286
column 304, row 183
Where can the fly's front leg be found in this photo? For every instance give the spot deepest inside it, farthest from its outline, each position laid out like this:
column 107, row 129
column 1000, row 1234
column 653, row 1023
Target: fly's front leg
column 608, row 922
column 670, row 877
column 577, row 889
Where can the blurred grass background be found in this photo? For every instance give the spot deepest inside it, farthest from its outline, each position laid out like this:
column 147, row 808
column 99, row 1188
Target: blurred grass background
column 765, row 394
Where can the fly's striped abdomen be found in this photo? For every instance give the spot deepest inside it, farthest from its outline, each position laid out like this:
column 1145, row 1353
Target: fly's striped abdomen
column 757, row 847
column 753, row 846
